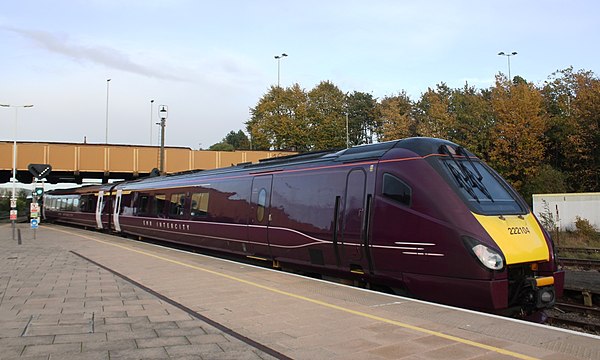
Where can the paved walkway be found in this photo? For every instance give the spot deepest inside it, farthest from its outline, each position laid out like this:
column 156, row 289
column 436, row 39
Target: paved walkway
column 56, row 305
column 59, row 301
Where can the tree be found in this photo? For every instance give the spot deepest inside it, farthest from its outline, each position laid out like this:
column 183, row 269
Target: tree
column 395, row 120
column 238, row 140
column 362, row 124
column 572, row 100
column 473, row 119
column 518, row 149
column 326, row 112
column 558, row 94
column 586, row 109
column 547, row 180
column 279, row 121
column 232, row 141
column 222, row 146
column 432, row 114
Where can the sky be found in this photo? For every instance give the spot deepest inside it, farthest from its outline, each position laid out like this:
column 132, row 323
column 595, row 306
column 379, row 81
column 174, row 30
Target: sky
column 211, row 61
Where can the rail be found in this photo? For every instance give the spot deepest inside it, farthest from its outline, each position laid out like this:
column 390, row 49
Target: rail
column 587, row 263
column 578, row 250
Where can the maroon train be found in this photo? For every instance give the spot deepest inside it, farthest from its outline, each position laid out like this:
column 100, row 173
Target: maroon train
column 419, row 216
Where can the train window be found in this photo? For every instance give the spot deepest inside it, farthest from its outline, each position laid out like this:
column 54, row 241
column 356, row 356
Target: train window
column 482, row 190
column 396, row 189
column 75, row 204
column 159, row 205
column 83, row 203
column 176, row 205
column 69, row 204
column 262, row 201
column 91, row 204
column 143, row 207
column 199, row 204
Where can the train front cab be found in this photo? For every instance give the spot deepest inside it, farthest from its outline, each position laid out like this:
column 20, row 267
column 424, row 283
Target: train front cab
column 523, row 251
column 464, row 237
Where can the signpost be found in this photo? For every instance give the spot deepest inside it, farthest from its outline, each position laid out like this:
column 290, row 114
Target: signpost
column 34, row 226
column 34, row 209
column 39, row 171
column 13, row 215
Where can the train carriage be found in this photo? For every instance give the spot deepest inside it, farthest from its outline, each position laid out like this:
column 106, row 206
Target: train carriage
column 419, row 216
column 85, row 206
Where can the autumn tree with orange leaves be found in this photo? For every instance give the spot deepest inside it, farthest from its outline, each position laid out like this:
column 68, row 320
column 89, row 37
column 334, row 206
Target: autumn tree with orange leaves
column 517, row 151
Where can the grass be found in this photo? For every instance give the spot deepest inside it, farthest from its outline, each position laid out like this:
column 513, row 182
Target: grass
column 577, row 239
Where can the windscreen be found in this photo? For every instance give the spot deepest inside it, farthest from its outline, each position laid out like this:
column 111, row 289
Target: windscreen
column 483, row 191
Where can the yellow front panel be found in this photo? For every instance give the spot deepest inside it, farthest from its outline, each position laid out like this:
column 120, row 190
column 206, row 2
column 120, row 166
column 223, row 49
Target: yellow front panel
column 520, row 239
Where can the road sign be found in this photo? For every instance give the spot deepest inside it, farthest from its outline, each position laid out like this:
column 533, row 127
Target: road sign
column 34, row 208
column 13, row 215
column 13, row 203
column 34, row 223
column 40, row 171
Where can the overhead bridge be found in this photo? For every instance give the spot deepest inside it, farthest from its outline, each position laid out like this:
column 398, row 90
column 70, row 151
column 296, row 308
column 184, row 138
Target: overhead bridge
column 73, row 162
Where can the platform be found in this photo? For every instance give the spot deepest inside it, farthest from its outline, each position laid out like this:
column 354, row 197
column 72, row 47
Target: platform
column 77, row 294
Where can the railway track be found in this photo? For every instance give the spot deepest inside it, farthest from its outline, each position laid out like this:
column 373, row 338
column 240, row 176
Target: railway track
column 578, row 250
column 574, row 324
column 586, row 310
column 575, row 317
column 587, row 263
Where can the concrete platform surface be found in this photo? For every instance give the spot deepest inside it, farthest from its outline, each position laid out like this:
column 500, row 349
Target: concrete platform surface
column 76, row 294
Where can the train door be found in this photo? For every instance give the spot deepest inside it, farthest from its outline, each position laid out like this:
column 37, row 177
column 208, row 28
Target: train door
column 354, row 218
column 116, row 209
column 99, row 207
column 260, row 216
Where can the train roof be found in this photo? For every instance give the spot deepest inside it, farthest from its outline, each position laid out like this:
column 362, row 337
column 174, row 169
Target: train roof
column 419, row 145
column 85, row 189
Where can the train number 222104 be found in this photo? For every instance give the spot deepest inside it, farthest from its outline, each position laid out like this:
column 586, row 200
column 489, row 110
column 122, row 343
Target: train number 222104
column 518, row 230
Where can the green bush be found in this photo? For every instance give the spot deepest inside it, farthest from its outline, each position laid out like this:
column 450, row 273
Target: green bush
column 585, row 228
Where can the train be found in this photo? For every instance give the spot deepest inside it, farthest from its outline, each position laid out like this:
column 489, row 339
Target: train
column 421, row 217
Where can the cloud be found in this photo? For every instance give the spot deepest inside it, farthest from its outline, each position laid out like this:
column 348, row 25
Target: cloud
column 103, row 55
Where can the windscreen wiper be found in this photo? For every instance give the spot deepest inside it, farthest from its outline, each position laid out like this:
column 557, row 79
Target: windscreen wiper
column 476, row 180
column 462, row 177
column 462, row 182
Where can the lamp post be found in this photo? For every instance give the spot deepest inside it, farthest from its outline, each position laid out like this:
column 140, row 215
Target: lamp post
column 13, row 200
column 501, row 53
column 278, row 58
column 162, row 114
column 151, row 121
column 347, row 132
column 107, row 87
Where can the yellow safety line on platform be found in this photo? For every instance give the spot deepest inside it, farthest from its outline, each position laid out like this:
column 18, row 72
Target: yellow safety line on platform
column 314, row 301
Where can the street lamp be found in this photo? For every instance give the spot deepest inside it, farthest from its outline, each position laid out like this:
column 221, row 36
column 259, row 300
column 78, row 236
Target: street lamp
column 501, row 53
column 278, row 58
column 13, row 200
column 347, row 131
column 151, row 121
column 162, row 114
column 107, row 87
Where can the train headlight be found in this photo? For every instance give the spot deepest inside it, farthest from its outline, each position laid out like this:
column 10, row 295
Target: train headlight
column 489, row 257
